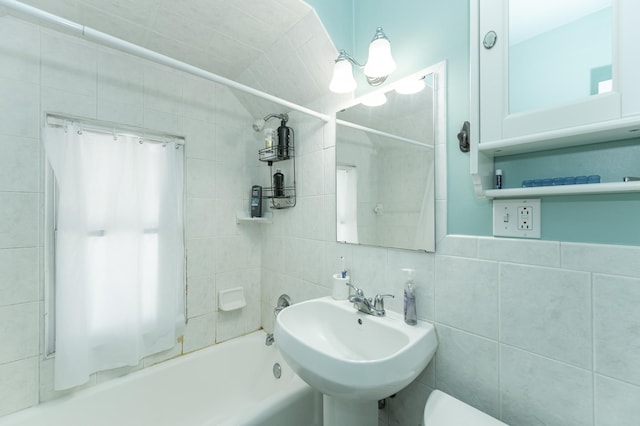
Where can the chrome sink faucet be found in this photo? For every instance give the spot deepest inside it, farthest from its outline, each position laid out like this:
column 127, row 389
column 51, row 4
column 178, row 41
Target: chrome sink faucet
column 367, row 305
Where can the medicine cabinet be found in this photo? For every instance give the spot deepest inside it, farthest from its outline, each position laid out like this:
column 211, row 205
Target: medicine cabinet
column 544, row 77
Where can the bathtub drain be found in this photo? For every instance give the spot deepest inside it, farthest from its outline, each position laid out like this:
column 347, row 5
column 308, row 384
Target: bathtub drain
column 277, row 370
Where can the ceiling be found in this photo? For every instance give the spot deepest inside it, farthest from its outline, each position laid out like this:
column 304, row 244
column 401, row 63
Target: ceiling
column 277, row 46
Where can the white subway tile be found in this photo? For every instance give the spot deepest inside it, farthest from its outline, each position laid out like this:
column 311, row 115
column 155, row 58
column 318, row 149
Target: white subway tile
column 467, row 368
column 200, row 178
column 201, row 257
column 312, row 216
column 162, row 89
column 230, row 254
column 198, row 99
column 19, row 164
column 19, row 385
column 201, row 295
column 20, row 44
column 120, row 78
column 19, row 331
column 616, row 320
column 69, row 64
column 200, row 139
column 602, row 258
column 540, row 253
column 121, row 113
column 616, row 403
column 200, row 217
column 19, row 272
column 162, row 121
column 536, row 390
column 19, row 108
column 547, row 311
column 18, row 219
column 458, row 245
column 467, row 294
column 69, row 103
column 199, row 332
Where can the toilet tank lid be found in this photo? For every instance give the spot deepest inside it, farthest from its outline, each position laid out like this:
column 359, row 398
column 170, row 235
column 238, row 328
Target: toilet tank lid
column 445, row 410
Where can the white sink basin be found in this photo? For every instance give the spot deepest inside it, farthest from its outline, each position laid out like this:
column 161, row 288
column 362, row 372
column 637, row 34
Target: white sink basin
column 346, row 354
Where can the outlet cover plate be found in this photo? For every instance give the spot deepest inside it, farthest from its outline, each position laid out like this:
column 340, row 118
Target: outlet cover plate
column 516, row 218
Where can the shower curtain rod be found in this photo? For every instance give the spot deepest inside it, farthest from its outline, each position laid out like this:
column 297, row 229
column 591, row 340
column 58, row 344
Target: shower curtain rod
column 380, row 133
column 127, row 47
column 56, row 120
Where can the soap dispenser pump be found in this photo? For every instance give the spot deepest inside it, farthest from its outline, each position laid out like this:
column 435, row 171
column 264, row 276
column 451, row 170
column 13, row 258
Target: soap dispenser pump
column 410, row 315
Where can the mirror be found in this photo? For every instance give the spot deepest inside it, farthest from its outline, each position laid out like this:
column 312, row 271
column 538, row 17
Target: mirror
column 559, row 52
column 385, row 170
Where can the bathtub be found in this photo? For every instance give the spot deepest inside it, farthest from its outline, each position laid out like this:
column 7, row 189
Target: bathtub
column 231, row 383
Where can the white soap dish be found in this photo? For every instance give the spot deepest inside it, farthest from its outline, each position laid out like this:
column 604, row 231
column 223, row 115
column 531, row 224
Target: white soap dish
column 231, row 299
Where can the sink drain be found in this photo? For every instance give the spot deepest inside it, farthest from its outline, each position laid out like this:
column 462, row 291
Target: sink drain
column 277, row 370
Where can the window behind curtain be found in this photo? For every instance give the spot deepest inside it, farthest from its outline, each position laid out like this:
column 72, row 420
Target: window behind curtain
column 117, row 251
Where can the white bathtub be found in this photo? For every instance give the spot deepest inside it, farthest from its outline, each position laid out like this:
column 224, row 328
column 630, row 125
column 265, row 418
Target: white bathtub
column 231, row 383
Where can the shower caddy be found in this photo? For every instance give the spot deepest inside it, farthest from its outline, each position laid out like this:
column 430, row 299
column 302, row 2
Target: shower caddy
column 275, row 154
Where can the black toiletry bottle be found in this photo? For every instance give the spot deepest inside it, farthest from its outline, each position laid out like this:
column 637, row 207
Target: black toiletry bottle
column 278, row 183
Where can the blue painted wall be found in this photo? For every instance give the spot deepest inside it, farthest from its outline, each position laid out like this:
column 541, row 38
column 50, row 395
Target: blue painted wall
column 424, row 32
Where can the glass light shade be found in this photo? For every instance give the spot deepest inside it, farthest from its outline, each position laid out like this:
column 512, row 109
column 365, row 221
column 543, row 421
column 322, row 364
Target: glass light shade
column 380, row 62
column 342, row 81
column 410, row 87
column 374, row 100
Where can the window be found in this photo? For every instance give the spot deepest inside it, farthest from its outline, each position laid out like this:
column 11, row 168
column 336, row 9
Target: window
column 114, row 248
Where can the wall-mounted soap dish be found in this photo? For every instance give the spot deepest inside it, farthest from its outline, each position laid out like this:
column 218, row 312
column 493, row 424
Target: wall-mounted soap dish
column 231, row 299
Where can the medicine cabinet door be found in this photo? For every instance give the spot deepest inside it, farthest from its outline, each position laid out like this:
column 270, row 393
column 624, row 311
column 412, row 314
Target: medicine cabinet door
column 545, row 67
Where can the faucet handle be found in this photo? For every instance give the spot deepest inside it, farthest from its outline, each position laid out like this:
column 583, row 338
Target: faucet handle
column 356, row 290
column 379, row 301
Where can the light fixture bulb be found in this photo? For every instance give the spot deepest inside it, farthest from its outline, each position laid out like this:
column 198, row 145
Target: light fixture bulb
column 409, row 87
column 342, row 81
column 380, row 62
column 374, row 100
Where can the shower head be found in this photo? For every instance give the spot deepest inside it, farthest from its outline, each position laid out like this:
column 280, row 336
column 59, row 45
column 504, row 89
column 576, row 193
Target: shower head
column 258, row 125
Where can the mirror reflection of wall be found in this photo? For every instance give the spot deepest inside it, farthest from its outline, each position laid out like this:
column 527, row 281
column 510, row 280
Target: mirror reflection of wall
column 558, row 52
column 385, row 173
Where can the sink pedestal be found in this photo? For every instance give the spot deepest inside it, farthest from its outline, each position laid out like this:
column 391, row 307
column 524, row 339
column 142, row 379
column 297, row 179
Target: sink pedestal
column 342, row 411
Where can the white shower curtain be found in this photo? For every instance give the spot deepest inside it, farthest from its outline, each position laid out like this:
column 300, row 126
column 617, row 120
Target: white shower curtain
column 119, row 250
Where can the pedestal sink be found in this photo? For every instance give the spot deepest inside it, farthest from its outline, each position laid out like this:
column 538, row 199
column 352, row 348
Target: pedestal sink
column 353, row 358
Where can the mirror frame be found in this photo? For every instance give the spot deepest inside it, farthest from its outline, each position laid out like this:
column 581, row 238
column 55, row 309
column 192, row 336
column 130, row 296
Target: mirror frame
column 439, row 72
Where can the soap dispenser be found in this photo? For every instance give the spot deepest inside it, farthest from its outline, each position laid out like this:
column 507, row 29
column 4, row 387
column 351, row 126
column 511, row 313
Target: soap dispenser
column 410, row 315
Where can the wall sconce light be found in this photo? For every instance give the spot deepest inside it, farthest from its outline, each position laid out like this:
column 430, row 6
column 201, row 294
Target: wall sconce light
column 378, row 67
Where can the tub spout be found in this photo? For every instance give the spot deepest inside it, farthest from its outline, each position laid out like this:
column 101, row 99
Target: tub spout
column 269, row 341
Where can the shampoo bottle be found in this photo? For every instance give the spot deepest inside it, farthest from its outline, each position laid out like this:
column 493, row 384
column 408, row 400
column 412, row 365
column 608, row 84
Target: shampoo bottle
column 410, row 315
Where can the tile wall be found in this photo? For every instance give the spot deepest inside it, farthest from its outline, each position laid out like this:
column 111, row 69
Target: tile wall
column 46, row 71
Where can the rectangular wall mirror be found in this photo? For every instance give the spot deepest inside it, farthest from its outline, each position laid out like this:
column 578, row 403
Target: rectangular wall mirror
column 385, row 168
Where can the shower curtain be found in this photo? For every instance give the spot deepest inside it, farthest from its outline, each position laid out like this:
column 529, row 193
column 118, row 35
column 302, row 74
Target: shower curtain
column 119, row 250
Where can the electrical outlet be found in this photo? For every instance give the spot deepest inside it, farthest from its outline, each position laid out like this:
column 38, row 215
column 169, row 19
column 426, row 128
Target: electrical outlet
column 516, row 218
column 525, row 218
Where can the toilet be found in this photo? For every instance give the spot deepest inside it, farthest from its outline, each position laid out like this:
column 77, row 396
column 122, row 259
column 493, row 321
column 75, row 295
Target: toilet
column 444, row 410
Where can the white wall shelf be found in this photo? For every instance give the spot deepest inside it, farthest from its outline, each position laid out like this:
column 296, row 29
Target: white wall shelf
column 243, row 217
column 590, row 188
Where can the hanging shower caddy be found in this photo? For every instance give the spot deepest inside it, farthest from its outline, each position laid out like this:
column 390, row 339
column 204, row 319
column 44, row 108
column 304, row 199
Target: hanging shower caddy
column 283, row 149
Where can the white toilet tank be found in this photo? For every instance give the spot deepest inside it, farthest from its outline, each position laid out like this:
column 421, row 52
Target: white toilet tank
column 445, row 410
